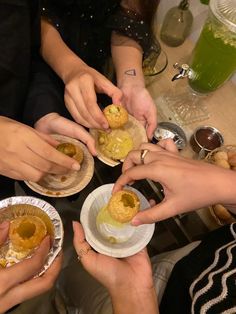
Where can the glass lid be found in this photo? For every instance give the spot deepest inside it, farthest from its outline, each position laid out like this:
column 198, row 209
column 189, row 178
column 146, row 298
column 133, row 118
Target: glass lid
column 225, row 11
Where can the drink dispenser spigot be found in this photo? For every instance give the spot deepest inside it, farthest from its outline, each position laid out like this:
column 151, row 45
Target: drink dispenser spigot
column 184, row 71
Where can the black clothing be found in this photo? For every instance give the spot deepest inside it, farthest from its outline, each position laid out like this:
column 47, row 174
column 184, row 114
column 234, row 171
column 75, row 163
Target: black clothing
column 204, row 281
column 85, row 26
column 19, row 41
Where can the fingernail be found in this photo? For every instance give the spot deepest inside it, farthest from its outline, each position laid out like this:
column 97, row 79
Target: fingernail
column 4, row 224
column 105, row 126
column 75, row 166
column 73, row 224
column 131, row 183
column 136, row 222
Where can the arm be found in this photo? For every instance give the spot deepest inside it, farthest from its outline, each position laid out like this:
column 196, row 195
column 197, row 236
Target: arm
column 188, row 184
column 81, row 81
column 27, row 154
column 127, row 55
column 18, row 283
column 128, row 280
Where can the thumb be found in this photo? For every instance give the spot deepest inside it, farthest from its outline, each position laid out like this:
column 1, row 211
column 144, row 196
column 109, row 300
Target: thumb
column 47, row 138
column 159, row 212
column 4, row 228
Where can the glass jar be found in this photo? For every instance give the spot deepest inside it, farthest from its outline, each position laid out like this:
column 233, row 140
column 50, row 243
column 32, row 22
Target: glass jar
column 177, row 24
column 213, row 59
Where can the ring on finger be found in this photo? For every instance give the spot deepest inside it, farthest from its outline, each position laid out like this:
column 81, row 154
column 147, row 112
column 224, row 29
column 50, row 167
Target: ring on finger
column 83, row 252
column 143, row 154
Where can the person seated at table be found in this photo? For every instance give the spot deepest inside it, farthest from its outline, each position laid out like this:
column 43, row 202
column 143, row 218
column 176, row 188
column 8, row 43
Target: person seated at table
column 18, row 282
column 78, row 38
column 25, row 153
column 198, row 278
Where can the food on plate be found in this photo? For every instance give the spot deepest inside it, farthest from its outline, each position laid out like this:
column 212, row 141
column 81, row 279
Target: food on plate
column 72, row 151
column 113, row 219
column 222, row 163
column 123, row 206
column 116, row 144
column 220, row 155
column 112, row 230
column 27, row 232
column 221, row 212
column 116, row 115
column 224, row 157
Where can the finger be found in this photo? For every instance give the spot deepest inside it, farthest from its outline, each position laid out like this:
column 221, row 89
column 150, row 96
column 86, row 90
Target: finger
column 81, row 108
column 69, row 128
column 152, row 202
column 151, row 124
column 135, row 158
column 47, row 138
column 26, row 269
column 43, row 165
column 29, row 173
column 34, row 287
column 105, row 86
column 70, row 105
column 151, row 147
column 83, row 249
column 90, row 101
column 169, row 145
column 164, row 210
column 4, row 228
column 136, row 173
column 49, row 153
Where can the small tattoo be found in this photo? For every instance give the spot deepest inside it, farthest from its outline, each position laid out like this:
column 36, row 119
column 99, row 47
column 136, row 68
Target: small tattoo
column 131, row 72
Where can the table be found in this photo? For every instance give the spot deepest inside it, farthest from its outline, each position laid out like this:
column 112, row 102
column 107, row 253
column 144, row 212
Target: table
column 221, row 106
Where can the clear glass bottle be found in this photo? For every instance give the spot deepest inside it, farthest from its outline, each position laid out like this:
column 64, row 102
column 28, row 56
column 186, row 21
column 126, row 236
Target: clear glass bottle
column 177, row 24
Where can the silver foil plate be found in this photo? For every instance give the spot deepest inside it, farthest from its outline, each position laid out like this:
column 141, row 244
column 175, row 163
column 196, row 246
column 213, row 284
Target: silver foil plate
column 7, row 214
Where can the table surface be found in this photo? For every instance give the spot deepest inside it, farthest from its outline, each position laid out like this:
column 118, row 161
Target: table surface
column 220, row 105
column 177, row 231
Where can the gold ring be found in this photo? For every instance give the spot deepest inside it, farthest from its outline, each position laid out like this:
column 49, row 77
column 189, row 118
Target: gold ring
column 83, row 252
column 143, row 154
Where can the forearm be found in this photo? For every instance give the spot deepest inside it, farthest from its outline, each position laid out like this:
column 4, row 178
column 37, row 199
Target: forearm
column 228, row 190
column 132, row 301
column 56, row 53
column 127, row 59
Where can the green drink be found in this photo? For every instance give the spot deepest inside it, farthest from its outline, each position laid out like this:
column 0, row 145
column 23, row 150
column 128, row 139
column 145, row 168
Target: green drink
column 213, row 59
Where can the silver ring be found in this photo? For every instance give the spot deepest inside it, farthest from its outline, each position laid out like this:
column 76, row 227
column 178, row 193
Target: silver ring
column 83, row 252
column 143, row 154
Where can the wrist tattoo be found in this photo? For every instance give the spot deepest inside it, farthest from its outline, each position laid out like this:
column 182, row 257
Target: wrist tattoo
column 131, row 72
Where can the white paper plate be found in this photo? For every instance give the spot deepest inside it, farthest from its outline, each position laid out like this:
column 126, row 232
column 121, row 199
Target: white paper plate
column 93, row 203
column 134, row 128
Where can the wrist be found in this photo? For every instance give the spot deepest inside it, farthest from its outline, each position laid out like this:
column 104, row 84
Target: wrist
column 228, row 190
column 131, row 84
column 133, row 300
column 73, row 67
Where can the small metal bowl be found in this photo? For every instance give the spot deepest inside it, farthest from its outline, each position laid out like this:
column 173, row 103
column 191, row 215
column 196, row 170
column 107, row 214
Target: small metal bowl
column 170, row 130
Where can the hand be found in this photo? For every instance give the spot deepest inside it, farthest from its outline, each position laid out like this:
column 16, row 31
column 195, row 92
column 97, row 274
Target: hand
column 139, row 103
column 27, row 154
column 80, row 96
column 53, row 123
column 188, row 184
column 129, row 280
column 17, row 282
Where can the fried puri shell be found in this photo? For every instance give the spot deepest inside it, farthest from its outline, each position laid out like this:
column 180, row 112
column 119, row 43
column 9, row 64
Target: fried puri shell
column 72, row 151
column 123, row 206
column 27, row 232
column 116, row 115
